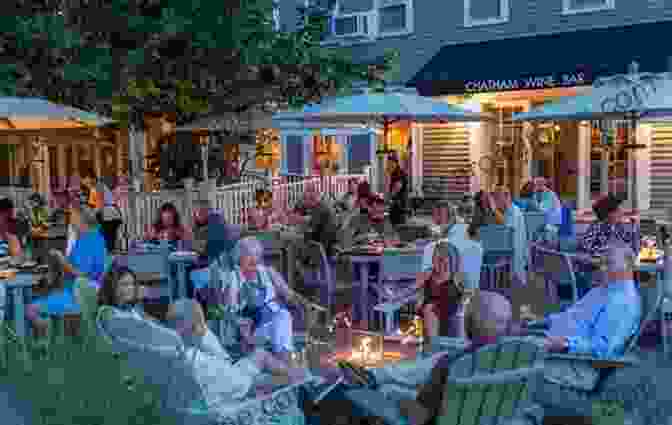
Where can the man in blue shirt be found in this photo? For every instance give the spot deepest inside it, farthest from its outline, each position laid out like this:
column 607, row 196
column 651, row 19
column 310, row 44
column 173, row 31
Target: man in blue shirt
column 601, row 323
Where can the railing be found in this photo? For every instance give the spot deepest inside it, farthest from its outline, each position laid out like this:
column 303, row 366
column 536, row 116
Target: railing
column 139, row 210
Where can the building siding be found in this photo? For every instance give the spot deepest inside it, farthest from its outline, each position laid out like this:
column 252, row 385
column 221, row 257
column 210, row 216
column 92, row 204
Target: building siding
column 440, row 23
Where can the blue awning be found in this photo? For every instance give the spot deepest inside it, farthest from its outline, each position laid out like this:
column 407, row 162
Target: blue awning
column 560, row 60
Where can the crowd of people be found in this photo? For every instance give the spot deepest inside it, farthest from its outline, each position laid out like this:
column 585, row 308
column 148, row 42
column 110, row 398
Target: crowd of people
column 257, row 300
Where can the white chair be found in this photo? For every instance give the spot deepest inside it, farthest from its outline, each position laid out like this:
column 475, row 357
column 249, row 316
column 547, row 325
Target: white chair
column 159, row 356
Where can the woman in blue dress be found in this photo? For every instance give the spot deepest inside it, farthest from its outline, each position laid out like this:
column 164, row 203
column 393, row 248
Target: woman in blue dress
column 88, row 258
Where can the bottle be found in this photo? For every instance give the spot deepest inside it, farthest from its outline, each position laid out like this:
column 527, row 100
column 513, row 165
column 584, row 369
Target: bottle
column 666, row 325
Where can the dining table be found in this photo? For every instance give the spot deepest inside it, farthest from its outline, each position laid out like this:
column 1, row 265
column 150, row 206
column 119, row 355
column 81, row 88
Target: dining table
column 395, row 264
column 18, row 295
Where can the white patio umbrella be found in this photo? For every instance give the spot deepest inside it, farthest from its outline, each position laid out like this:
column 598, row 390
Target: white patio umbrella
column 632, row 96
column 28, row 113
column 382, row 108
column 379, row 109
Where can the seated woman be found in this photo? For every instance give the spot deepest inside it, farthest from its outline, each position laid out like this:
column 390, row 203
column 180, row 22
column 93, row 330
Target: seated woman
column 88, row 258
column 9, row 242
column 222, row 380
column 168, row 226
column 256, row 292
column 265, row 214
column 611, row 225
column 448, row 309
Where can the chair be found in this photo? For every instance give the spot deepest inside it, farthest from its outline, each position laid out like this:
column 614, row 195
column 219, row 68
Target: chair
column 153, row 349
column 556, row 400
column 533, row 222
column 322, row 276
column 557, row 268
column 497, row 243
column 488, row 386
column 398, row 284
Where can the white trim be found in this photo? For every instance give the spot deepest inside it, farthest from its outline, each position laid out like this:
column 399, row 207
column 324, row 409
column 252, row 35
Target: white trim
column 469, row 22
column 568, row 10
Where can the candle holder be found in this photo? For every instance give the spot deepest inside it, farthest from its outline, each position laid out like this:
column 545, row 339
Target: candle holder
column 367, row 348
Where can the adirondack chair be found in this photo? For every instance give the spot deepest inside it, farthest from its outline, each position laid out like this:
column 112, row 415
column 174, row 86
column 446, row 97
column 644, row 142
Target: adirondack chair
column 485, row 387
column 153, row 349
column 556, row 400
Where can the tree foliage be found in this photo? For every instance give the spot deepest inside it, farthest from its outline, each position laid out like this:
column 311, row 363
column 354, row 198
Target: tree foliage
column 123, row 58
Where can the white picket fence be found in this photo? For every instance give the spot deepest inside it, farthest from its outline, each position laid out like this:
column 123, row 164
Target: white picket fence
column 140, row 209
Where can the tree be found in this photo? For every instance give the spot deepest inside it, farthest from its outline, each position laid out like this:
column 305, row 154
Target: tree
column 123, row 58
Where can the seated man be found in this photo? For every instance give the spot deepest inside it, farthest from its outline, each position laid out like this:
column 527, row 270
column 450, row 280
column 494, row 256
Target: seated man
column 454, row 230
column 373, row 222
column 601, row 322
column 220, row 376
column 322, row 225
column 427, row 376
column 222, row 380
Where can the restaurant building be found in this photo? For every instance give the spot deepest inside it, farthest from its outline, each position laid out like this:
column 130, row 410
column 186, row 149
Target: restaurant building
column 513, row 75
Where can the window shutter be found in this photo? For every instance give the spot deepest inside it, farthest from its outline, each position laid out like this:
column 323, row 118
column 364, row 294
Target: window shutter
column 359, row 152
column 295, row 155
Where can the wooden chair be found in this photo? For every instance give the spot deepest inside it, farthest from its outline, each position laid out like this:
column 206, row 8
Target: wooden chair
column 488, row 386
column 153, row 349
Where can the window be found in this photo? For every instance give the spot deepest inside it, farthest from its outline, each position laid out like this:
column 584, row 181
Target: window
column 395, row 17
column 570, row 7
column 371, row 18
column 485, row 12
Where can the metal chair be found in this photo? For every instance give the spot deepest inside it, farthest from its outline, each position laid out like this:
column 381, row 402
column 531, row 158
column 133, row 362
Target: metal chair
column 497, row 243
column 557, row 268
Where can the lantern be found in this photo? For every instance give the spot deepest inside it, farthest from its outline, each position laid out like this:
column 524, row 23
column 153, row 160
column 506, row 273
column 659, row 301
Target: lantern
column 267, row 154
